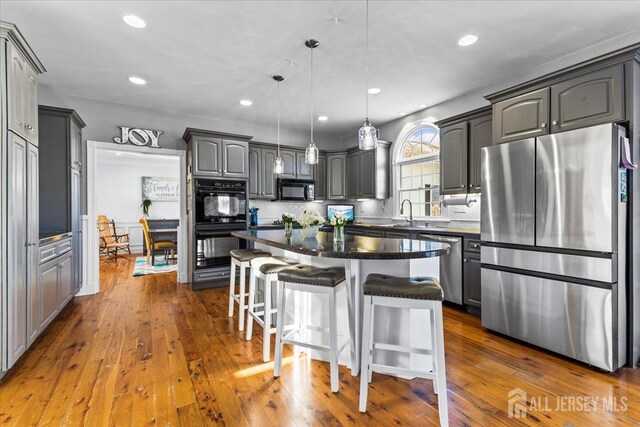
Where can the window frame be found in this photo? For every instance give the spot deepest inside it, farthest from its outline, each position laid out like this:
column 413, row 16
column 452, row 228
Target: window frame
column 397, row 162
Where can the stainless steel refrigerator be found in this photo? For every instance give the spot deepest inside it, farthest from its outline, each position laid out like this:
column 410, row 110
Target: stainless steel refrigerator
column 553, row 226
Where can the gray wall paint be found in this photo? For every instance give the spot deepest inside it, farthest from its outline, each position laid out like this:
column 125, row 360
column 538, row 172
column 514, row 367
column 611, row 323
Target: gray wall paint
column 103, row 119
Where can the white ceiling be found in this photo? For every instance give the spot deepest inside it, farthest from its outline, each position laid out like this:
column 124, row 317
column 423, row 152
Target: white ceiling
column 201, row 58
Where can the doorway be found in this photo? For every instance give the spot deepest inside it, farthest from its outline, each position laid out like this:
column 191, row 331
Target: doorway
column 115, row 174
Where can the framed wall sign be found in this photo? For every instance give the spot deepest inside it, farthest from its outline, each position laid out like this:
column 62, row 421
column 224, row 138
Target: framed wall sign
column 158, row 189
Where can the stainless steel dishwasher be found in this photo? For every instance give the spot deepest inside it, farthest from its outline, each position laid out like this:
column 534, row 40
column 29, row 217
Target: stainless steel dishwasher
column 450, row 266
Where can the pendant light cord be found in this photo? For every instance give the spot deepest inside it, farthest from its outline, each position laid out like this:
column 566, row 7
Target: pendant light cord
column 366, row 62
column 311, row 95
column 278, row 118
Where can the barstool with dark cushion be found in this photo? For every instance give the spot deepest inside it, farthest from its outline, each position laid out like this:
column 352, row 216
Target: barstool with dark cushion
column 411, row 293
column 242, row 259
column 319, row 280
column 267, row 270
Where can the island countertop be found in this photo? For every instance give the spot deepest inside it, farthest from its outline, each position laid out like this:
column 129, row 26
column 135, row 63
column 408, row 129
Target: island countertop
column 353, row 247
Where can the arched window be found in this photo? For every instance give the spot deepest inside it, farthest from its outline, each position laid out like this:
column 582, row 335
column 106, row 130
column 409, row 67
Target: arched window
column 417, row 169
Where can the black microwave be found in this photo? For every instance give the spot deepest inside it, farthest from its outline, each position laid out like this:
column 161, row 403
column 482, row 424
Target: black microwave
column 296, row 189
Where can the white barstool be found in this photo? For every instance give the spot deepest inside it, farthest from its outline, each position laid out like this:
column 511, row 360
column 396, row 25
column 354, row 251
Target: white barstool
column 241, row 258
column 411, row 293
column 267, row 270
column 306, row 278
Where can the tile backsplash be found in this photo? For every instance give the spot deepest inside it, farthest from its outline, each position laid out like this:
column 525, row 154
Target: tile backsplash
column 366, row 210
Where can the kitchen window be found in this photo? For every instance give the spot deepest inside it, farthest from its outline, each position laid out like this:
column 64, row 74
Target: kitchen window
column 417, row 171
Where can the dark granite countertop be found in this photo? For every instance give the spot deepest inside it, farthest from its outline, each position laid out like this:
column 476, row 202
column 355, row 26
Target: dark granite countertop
column 444, row 229
column 353, row 247
column 53, row 236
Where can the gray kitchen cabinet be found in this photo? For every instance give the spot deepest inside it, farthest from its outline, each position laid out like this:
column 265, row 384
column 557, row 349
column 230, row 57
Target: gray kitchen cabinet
column 589, row 99
column 235, row 159
column 524, row 116
column 453, row 159
column 320, row 174
column 33, row 232
column 472, row 289
column 255, row 172
column 75, row 149
column 48, row 293
column 353, row 176
column 367, row 174
column 262, row 180
column 480, row 136
column 17, row 70
column 336, row 176
column 207, row 156
column 55, row 285
column 289, row 161
column 31, row 105
column 65, row 286
column 303, row 169
column 76, row 229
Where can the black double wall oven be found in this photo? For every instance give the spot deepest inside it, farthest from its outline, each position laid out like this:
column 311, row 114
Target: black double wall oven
column 221, row 207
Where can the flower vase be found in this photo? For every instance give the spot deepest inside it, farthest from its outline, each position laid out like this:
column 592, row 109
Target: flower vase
column 288, row 228
column 311, row 231
column 338, row 233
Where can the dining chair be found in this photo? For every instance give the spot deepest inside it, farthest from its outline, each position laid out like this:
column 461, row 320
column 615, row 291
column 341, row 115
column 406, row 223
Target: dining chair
column 164, row 245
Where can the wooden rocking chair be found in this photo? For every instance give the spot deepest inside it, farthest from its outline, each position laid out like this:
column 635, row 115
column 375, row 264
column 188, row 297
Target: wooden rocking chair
column 110, row 241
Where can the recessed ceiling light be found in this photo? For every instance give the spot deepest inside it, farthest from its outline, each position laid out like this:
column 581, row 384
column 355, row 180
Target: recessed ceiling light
column 137, row 80
column 246, row 102
column 323, row 118
column 134, row 21
column 422, row 105
column 374, row 91
column 402, row 113
column 467, row 40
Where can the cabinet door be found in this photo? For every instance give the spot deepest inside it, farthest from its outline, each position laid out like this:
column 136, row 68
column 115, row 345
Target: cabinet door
column 472, row 288
column 588, row 100
column 65, row 276
column 303, row 169
column 255, row 172
column 207, row 156
column 336, row 171
column 453, row 159
column 31, row 105
column 268, row 188
column 17, row 247
column 353, row 181
column 321, row 178
column 76, row 228
column 289, row 160
column 479, row 137
column 48, row 292
column 17, row 91
column 235, row 159
column 524, row 116
column 33, row 252
column 75, row 147
column 368, row 174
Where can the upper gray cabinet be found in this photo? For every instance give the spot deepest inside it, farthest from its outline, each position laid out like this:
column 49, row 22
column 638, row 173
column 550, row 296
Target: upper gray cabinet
column 23, row 101
column 480, row 136
column 336, row 176
column 367, row 174
column 320, row 174
column 589, row 99
column 453, row 159
column 217, row 154
column 303, row 169
column 262, row 180
column 525, row 116
column 353, row 175
column 289, row 161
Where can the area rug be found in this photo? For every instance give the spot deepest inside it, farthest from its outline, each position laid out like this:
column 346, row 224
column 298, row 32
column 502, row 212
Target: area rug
column 141, row 268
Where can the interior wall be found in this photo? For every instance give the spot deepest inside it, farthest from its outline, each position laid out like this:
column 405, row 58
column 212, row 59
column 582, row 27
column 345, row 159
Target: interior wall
column 119, row 190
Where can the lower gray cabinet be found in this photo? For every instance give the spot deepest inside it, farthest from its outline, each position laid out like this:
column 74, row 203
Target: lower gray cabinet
column 48, row 293
column 472, row 289
column 57, row 277
column 65, row 284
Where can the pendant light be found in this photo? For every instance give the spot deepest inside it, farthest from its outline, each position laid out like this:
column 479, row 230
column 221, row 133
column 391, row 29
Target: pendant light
column 367, row 135
column 311, row 153
column 278, row 164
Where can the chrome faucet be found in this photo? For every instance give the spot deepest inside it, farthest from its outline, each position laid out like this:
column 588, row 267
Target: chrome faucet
column 410, row 220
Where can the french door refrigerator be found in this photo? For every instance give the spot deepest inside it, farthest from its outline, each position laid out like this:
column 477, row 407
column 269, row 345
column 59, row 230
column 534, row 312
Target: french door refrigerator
column 553, row 226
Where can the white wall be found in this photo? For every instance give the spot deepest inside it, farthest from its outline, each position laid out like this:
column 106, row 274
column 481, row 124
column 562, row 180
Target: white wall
column 119, row 190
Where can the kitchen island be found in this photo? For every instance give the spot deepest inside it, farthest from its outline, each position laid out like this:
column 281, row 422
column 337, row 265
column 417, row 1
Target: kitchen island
column 361, row 256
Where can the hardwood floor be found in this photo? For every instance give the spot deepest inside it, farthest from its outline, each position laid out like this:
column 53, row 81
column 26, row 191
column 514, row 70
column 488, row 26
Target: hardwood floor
column 146, row 351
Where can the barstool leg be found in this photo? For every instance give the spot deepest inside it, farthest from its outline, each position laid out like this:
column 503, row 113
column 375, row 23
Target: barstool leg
column 241, row 298
column 333, row 341
column 266, row 330
column 443, row 409
column 251, row 308
column 372, row 322
column 280, row 328
column 434, row 352
column 367, row 329
column 232, row 287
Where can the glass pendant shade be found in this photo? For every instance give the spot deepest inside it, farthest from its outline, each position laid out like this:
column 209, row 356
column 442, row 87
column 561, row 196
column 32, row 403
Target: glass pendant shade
column 367, row 136
column 278, row 166
column 311, row 154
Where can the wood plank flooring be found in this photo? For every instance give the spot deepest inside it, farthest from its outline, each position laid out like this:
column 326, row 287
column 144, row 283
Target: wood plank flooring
column 146, row 351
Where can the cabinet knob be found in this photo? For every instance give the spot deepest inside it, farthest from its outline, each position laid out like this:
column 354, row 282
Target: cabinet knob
column 465, row 260
column 28, row 127
column 543, row 125
column 555, row 123
column 462, row 186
